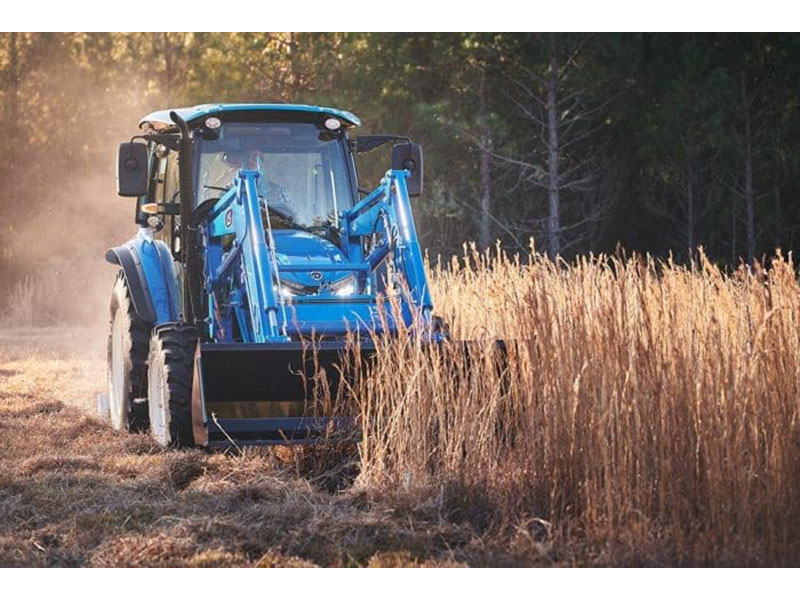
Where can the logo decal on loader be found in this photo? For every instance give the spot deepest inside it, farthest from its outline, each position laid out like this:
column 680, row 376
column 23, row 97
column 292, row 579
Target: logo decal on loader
column 229, row 218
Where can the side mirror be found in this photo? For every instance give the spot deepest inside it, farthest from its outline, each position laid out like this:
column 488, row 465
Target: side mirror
column 409, row 156
column 132, row 169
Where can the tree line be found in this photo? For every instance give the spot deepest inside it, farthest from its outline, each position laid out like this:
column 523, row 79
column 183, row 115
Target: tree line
column 654, row 142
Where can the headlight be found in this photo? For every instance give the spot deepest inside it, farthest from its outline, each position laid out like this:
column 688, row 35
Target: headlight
column 284, row 291
column 346, row 290
column 346, row 286
column 290, row 289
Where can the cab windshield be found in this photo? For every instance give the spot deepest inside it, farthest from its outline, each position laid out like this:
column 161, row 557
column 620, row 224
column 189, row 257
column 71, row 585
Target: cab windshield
column 303, row 181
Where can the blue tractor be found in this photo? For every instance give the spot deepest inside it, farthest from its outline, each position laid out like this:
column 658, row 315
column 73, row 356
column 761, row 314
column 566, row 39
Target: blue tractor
column 257, row 255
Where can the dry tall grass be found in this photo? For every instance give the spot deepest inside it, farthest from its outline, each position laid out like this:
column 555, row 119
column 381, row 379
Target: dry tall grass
column 647, row 411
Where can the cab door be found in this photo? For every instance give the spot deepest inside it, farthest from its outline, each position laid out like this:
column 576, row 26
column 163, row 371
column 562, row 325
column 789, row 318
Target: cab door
column 171, row 199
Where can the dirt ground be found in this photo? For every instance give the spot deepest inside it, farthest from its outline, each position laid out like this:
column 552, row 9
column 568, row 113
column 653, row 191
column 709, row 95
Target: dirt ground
column 75, row 493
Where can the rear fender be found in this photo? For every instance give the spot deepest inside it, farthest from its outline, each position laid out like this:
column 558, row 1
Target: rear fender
column 151, row 277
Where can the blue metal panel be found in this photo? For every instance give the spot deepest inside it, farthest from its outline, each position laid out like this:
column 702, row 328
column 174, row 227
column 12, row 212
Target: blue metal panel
column 339, row 317
column 160, row 118
column 153, row 270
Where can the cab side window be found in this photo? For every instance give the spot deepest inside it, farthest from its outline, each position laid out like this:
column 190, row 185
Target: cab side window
column 152, row 169
column 164, row 190
column 172, row 223
column 156, row 193
column 159, row 179
column 172, row 181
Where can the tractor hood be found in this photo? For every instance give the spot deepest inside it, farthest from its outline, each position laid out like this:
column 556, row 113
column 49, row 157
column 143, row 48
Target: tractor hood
column 302, row 248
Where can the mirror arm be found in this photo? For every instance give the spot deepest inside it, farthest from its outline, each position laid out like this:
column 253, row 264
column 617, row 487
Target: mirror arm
column 170, row 140
column 161, row 208
column 368, row 143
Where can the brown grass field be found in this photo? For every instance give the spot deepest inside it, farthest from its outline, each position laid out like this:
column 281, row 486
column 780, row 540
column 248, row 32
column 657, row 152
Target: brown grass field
column 647, row 415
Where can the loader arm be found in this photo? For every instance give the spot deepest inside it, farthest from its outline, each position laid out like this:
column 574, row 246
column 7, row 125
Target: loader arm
column 238, row 213
column 261, row 312
column 390, row 203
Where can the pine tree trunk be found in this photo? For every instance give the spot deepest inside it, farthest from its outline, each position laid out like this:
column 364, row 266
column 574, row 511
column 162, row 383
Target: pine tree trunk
column 778, row 217
column 485, row 229
column 13, row 91
column 776, row 174
column 295, row 80
column 14, row 128
column 486, row 199
column 554, row 218
column 168, row 67
column 734, row 215
column 749, row 195
column 690, row 225
column 750, row 202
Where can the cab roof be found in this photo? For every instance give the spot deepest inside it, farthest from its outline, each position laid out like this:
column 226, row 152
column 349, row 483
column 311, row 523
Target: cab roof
column 160, row 120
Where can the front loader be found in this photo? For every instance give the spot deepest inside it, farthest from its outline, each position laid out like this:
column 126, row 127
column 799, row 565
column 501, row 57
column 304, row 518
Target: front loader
column 259, row 264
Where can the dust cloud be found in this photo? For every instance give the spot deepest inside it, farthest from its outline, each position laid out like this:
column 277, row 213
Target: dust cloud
column 59, row 212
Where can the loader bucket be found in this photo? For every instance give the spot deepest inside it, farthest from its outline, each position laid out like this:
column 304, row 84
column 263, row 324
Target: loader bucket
column 272, row 393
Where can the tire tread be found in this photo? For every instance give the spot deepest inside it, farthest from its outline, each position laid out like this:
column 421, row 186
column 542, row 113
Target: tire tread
column 174, row 344
column 137, row 333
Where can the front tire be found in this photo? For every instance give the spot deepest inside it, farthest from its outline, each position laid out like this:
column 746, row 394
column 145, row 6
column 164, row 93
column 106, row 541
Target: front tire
column 169, row 384
column 128, row 342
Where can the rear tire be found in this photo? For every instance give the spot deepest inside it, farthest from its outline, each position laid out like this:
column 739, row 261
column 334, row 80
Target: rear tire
column 169, row 384
column 128, row 342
